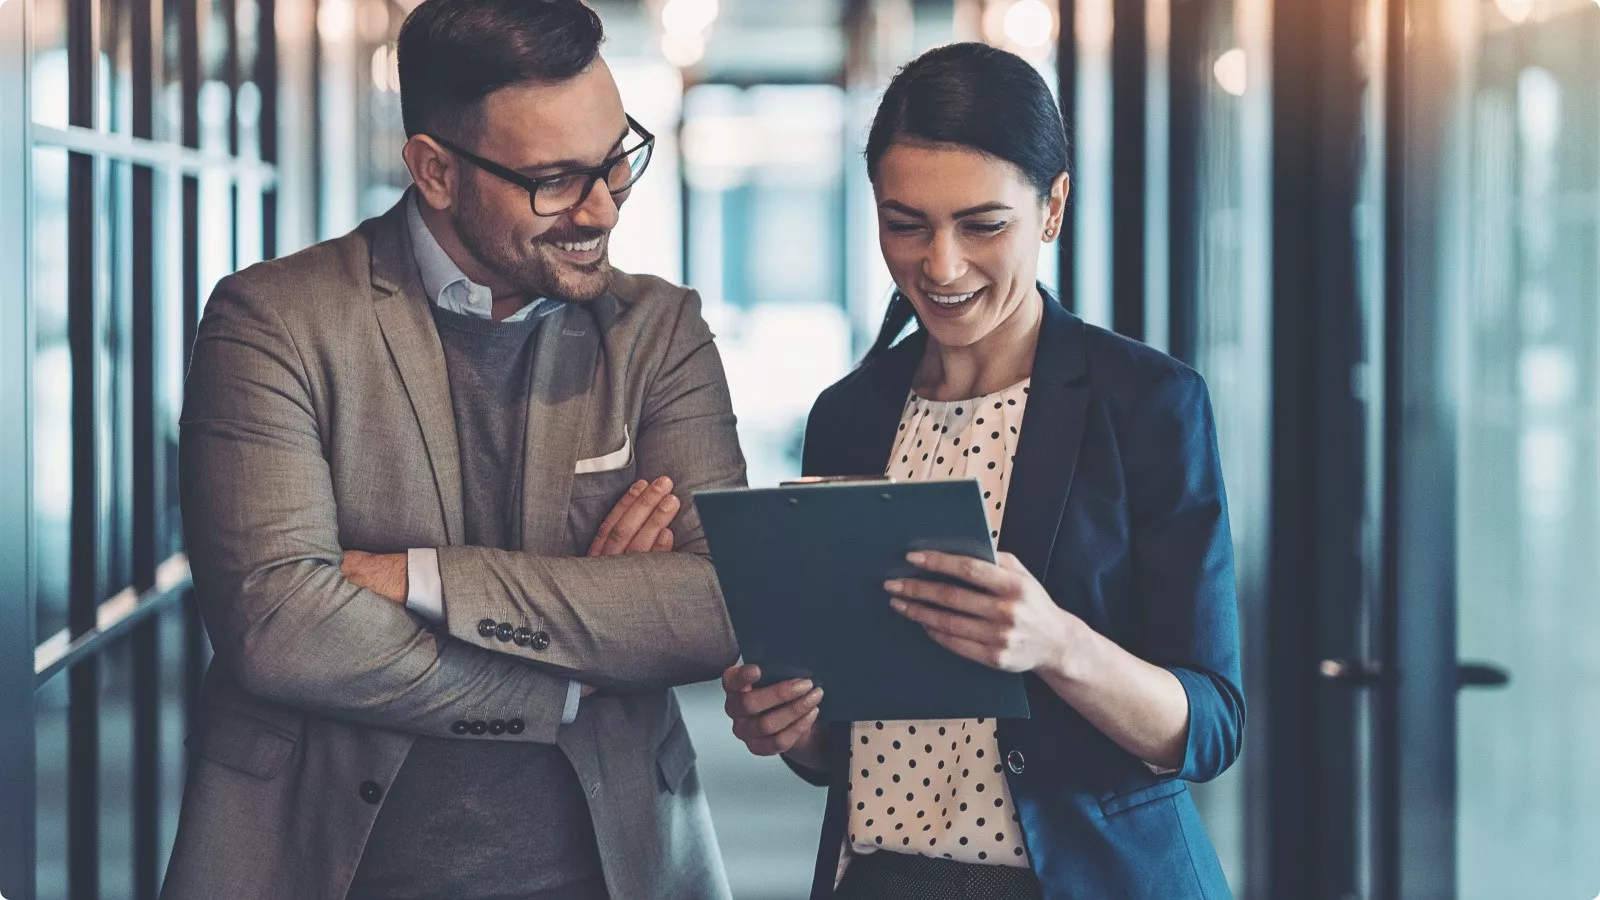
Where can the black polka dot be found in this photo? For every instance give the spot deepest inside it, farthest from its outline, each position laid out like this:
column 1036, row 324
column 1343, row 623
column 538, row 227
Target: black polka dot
column 905, row 842
column 999, row 835
column 963, row 842
column 879, row 838
column 996, row 435
column 909, row 796
column 982, row 855
column 891, row 810
column 880, row 757
column 1017, row 852
column 912, row 762
column 991, row 465
column 896, row 778
column 920, row 813
column 956, row 442
column 940, row 460
column 899, row 826
column 896, row 745
column 927, row 782
column 861, row 806
column 997, row 405
column 981, row 787
column 927, row 748
column 980, row 753
column 999, row 802
column 906, row 458
column 976, row 449
column 980, row 821
column 863, row 739
column 963, row 807
column 958, row 410
column 880, row 726
column 941, row 729
column 879, row 792
column 869, row 823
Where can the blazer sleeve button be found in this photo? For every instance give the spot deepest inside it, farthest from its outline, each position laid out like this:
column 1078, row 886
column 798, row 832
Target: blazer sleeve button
column 459, row 727
column 522, row 636
column 515, row 726
column 497, row 727
column 485, row 628
column 541, row 641
column 480, row 726
column 370, row 791
column 503, row 632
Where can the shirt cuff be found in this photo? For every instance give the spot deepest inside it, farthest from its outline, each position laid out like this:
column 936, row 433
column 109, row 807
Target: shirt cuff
column 1159, row 770
column 569, row 713
column 425, row 590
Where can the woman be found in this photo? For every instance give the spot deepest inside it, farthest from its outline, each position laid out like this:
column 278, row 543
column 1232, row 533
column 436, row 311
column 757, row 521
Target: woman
column 1114, row 588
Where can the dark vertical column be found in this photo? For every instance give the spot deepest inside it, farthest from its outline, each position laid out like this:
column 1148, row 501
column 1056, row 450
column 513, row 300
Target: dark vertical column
column 1320, row 471
column 18, row 769
column 1067, row 88
column 83, row 750
column 1190, row 33
column 266, row 77
column 148, row 464
column 1129, row 99
column 189, row 60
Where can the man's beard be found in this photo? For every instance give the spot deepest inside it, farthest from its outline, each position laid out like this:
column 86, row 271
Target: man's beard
column 530, row 270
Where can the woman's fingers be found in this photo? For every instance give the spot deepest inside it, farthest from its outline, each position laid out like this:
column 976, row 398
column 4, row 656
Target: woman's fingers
column 980, row 653
column 775, row 721
column 951, row 623
column 747, row 701
column 785, row 740
column 947, row 596
column 985, row 576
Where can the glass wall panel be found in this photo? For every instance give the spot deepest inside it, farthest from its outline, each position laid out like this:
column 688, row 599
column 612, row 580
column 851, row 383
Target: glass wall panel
column 50, row 736
column 1528, row 122
column 116, row 773
column 52, row 391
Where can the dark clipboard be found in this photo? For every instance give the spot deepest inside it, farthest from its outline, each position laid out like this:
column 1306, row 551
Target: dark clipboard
column 802, row 570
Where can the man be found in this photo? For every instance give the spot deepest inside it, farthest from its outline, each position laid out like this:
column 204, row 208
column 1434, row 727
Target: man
column 396, row 448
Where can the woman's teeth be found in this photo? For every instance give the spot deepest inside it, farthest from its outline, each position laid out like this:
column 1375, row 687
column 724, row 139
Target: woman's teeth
column 584, row 247
column 952, row 299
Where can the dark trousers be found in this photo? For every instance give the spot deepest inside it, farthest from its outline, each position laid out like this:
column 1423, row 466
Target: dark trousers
column 886, row 875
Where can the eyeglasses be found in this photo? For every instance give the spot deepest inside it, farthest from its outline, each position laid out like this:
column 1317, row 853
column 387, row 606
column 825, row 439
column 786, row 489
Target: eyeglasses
column 552, row 195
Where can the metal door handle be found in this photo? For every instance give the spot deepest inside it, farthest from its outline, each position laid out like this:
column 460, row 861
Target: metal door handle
column 1357, row 674
column 1481, row 675
column 1366, row 673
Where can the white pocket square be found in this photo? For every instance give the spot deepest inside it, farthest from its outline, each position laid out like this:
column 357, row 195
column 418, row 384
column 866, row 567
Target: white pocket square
column 611, row 461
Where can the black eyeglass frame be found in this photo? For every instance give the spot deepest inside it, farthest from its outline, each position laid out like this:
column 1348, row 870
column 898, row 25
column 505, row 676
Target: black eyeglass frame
column 531, row 184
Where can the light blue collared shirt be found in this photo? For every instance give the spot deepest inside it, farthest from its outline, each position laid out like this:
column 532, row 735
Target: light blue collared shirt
column 450, row 288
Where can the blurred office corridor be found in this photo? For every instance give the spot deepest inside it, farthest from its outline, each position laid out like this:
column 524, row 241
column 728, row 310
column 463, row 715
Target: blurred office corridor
column 1372, row 225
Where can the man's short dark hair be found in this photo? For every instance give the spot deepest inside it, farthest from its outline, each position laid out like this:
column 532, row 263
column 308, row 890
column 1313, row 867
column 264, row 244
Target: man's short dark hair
column 454, row 53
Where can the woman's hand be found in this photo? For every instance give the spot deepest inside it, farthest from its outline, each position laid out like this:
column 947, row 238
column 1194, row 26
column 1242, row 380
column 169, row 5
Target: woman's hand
column 1005, row 620
column 778, row 718
column 640, row 522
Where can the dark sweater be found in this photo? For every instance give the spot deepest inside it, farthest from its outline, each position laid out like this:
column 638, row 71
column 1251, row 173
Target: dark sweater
column 477, row 818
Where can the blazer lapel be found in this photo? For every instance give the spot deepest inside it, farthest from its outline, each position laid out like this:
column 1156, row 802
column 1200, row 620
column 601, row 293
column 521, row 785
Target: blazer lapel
column 865, row 448
column 407, row 324
column 565, row 350
column 1047, row 448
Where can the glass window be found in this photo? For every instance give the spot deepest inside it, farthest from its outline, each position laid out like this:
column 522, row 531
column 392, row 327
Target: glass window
column 52, row 391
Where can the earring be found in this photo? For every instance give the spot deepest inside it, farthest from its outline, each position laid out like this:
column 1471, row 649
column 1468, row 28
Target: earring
column 1049, row 234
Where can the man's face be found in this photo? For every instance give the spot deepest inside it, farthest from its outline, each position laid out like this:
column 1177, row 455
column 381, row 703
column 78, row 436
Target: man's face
column 541, row 130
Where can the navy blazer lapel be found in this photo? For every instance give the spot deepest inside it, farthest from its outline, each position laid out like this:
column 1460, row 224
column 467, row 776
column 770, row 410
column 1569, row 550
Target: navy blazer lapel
column 1047, row 448
column 865, row 444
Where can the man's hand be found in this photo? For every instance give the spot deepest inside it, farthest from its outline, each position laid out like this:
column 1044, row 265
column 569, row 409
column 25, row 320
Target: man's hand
column 640, row 522
column 384, row 573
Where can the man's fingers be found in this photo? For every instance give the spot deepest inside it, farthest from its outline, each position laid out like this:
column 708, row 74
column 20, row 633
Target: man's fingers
column 655, row 524
column 738, row 678
column 664, row 542
column 611, row 519
column 634, row 516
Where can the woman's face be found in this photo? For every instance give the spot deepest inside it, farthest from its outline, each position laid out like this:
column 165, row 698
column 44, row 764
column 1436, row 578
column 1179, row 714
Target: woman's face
column 961, row 233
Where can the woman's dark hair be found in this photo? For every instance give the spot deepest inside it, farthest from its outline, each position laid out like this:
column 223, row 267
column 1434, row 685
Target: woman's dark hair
column 974, row 96
column 454, row 53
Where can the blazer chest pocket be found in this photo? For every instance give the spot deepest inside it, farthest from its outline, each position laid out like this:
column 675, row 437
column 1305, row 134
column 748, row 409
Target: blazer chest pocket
column 675, row 758
column 243, row 743
column 1120, row 803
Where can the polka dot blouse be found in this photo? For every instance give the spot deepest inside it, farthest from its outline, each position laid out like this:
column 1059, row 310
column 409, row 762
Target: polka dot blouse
column 938, row 788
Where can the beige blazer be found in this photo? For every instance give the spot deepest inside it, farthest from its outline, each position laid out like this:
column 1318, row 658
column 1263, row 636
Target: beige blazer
column 318, row 417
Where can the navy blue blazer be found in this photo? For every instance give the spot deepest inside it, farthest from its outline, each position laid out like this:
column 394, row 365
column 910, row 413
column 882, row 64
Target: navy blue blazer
column 1116, row 505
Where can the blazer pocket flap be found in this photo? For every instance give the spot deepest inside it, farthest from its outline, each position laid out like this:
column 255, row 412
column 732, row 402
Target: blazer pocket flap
column 244, row 743
column 1126, row 801
column 612, row 461
column 676, row 757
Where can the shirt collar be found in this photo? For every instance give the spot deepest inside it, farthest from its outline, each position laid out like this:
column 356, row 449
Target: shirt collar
column 448, row 287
